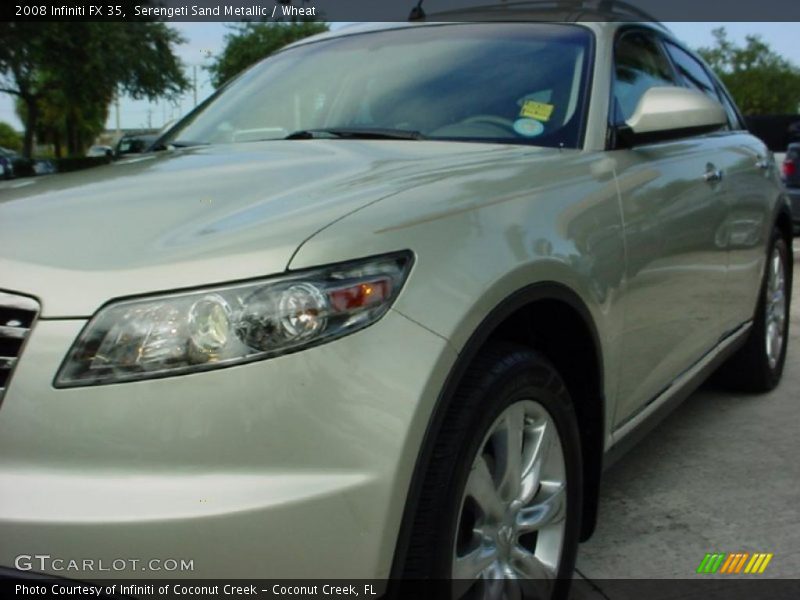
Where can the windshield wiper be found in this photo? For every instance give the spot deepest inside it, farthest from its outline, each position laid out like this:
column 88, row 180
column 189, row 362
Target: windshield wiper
column 355, row 134
column 178, row 144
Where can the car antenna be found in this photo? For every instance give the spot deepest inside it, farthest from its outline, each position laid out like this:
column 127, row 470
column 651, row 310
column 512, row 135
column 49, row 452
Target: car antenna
column 417, row 13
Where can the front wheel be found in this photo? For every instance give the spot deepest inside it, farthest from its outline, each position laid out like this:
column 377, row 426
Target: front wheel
column 500, row 507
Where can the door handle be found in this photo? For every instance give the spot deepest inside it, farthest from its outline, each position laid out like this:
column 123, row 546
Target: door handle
column 712, row 174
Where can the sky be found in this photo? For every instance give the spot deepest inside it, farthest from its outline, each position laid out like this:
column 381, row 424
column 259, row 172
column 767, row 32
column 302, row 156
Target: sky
column 206, row 40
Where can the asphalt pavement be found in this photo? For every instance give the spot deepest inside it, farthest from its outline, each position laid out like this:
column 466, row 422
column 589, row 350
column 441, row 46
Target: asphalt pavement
column 720, row 474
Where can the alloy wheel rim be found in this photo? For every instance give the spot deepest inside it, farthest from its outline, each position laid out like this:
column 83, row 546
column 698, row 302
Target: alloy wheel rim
column 512, row 515
column 775, row 309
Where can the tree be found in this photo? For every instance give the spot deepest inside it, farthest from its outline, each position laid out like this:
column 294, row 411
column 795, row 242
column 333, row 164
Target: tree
column 759, row 79
column 79, row 67
column 23, row 51
column 8, row 137
column 98, row 60
column 251, row 42
column 65, row 125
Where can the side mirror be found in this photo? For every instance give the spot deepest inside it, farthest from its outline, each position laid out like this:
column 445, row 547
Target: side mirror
column 672, row 112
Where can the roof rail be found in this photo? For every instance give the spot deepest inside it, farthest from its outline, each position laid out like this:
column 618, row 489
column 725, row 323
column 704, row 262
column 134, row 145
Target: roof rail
column 612, row 8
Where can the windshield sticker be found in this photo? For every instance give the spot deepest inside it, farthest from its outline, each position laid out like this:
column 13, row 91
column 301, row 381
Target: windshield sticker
column 536, row 110
column 528, row 127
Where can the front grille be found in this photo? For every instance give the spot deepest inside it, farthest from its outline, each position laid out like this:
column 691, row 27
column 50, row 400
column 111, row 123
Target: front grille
column 17, row 314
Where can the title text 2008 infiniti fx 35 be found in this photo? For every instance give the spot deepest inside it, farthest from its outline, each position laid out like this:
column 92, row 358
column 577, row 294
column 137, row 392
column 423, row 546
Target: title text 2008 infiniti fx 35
column 384, row 305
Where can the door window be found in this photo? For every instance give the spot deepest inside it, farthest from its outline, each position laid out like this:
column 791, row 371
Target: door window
column 697, row 77
column 639, row 66
column 734, row 117
column 692, row 73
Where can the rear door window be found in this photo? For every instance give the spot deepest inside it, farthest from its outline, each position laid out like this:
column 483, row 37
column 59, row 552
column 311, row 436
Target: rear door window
column 696, row 76
column 692, row 72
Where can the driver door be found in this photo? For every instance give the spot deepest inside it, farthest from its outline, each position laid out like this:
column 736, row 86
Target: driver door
column 674, row 207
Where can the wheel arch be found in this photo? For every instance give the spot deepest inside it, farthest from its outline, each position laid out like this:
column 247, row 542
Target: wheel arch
column 561, row 306
column 783, row 221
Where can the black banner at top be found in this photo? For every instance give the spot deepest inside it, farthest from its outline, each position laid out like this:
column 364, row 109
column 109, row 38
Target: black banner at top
column 403, row 10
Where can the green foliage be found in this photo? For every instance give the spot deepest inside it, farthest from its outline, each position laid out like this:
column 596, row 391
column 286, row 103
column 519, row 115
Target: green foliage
column 66, row 74
column 760, row 80
column 9, row 138
column 250, row 42
column 67, row 127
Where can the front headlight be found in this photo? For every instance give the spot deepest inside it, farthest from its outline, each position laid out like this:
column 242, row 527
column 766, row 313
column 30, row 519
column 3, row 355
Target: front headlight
column 221, row 326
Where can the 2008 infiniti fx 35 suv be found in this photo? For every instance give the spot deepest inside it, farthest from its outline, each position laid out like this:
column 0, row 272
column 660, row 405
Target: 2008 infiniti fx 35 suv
column 384, row 305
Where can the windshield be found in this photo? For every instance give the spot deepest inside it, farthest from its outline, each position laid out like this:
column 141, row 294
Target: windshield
column 511, row 82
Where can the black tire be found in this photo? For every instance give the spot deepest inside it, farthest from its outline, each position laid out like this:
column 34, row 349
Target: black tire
column 749, row 370
column 500, row 375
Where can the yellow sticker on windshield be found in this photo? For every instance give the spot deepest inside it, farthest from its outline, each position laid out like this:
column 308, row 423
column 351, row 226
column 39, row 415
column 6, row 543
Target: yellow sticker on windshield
column 536, row 110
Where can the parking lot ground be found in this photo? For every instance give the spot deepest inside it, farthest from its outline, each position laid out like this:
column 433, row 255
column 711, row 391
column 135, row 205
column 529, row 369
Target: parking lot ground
column 720, row 474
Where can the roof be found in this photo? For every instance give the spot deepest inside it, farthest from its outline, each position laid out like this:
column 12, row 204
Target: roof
column 570, row 11
column 599, row 27
column 597, row 14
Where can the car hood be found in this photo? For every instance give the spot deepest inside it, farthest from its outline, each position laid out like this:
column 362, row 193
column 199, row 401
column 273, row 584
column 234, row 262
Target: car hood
column 198, row 216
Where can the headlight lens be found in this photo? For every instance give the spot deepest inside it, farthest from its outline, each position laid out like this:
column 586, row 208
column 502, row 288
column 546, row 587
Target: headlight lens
column 179, row 333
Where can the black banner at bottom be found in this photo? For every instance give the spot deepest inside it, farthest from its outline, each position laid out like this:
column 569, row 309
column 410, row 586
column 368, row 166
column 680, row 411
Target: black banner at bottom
column 701, row 588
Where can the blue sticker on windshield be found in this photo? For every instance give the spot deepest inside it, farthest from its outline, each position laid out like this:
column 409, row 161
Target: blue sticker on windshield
column 528, row 127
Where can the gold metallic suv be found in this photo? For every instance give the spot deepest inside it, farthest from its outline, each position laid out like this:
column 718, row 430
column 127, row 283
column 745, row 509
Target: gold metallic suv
column 383, row 306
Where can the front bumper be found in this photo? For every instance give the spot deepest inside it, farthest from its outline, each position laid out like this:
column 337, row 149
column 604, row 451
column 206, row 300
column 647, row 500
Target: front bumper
column 294, row 467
